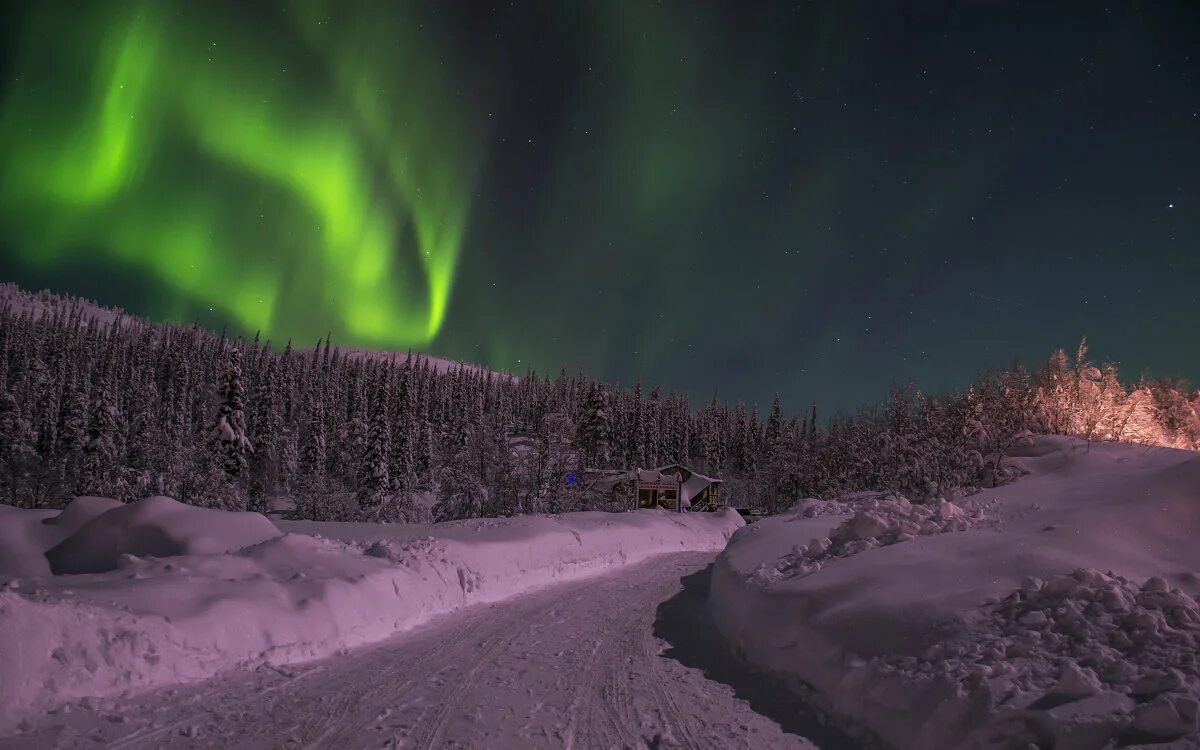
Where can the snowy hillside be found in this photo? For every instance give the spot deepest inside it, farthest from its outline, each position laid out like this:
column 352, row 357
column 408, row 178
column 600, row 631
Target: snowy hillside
column 40, row 303
column 1058, row 611
column 43, row 302
column 438, row 364
column 158, row 592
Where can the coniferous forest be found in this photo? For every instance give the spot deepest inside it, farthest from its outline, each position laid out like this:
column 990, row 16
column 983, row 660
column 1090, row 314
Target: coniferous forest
column 93, row 402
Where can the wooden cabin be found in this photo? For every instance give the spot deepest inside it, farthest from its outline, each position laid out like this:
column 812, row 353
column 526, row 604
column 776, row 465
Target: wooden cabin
column 665, row 487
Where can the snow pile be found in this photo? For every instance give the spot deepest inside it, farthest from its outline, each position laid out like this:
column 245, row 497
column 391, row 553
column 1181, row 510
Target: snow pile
column 79, row 512
column 1003, row 634
column 1104, row 623
column 23, row 538
column 1130, row 650
column 157, row 526
column 878, row 522
column 25, row 535
column 178, row 601
column 813, row 507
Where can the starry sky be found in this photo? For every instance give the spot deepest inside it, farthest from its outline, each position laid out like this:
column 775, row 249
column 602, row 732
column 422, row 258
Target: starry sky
column 815, row 198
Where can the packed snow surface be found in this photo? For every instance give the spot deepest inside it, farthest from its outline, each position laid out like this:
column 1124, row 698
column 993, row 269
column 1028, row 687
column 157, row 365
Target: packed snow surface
column 1057, row 611
column 627, row 659
column 174, row 593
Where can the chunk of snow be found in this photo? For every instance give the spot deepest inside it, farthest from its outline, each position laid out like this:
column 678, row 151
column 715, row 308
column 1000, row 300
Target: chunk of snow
column 1168, row 717
column 1076, row 682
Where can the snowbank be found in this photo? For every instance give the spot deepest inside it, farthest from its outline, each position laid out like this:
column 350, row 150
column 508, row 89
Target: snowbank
column 988, row 623
column 79, row 512
column 158, row 527
column 24, row 537
column 301, row 594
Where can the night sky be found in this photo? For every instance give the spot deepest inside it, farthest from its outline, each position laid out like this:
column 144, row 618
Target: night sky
column 815, row 198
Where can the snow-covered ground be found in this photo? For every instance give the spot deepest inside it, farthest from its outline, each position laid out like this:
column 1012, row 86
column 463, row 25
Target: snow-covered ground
column 158, row 592
column 622, row 660
column 1058, row 611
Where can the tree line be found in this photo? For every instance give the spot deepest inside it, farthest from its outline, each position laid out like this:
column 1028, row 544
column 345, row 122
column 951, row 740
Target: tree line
column 125, row 408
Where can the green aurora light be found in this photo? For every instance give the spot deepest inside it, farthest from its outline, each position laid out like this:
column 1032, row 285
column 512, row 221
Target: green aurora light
column 818, row 199
column 295, row 180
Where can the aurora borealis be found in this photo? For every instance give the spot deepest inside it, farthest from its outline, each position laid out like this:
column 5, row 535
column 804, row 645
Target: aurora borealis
column 820, row 199
column 291, row 172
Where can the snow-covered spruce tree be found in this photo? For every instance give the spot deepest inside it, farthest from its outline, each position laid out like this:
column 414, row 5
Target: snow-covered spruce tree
column 496, row 469
column 713, row 437
column 289, row 461
column 346, row 455
column 266, row 427
column 405, row 426
column 544, row 469
column 594, row 431
column 177, row 401
column 311, row 475
column 99, row 462
column 46, row 483
column 669, row 428
column 404, row 440
column 39, row 402
column 145, row 446
column 636, row 438
column 72, row 419
column 460, row 493
column 653, row 416
column 376, row 483
column 752, row 436
column 16, row 448
column 425, row 455
column 684, row 431
column 72, row 430
column 775, row 463
column 228, row 432
column 773, row 436
column 288, row 385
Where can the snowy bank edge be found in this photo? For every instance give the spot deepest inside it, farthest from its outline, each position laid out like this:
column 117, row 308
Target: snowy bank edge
column 61, row 651
column 736, row 605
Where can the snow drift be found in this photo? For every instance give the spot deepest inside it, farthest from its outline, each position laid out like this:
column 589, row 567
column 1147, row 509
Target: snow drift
column 157, row 526
column 1059, row 611
column 176, row 593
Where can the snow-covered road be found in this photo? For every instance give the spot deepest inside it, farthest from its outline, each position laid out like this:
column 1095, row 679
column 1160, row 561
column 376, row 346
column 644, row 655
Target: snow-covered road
column 628, row 659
